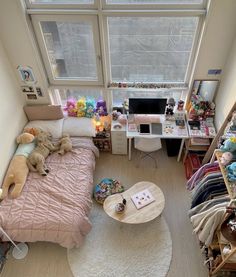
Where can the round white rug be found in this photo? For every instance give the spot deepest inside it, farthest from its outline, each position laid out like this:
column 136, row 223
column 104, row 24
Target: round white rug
column 114, row 249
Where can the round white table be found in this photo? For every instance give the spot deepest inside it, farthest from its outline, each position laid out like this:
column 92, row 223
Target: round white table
column 132, row 215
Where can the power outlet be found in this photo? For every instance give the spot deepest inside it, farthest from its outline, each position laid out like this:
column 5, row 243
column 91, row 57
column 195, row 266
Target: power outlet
column 214, row 71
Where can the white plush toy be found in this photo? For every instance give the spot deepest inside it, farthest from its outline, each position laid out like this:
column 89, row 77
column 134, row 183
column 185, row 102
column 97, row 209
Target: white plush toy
column 226, row 158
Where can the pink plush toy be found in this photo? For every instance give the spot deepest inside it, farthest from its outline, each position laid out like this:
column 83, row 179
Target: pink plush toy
column 71, row 107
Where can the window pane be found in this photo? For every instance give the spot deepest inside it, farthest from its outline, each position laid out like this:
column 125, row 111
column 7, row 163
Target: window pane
column 150, row 49
column 65, row 94
column 70, row 48
column 62, row 1
column 154, row 2
column 120, row 95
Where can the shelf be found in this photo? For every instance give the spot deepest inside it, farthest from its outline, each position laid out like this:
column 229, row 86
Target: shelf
column 229, row 185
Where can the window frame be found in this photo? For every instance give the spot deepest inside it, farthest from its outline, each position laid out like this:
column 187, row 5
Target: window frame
column 42, row 45
column 61, row 6
column 153, row 14
column 103, row 11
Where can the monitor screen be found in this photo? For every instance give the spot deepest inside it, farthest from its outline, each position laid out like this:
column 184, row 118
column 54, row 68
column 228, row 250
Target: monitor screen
column 147, row 105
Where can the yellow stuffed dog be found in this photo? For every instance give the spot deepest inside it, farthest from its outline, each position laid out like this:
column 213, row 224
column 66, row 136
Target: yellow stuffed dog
column 65, row 144
column 18, row 170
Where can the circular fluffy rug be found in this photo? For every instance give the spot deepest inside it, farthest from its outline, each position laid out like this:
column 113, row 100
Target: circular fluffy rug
column 114, row 249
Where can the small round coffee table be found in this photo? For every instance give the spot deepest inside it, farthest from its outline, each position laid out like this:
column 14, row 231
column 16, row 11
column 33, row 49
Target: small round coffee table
column 131, row 214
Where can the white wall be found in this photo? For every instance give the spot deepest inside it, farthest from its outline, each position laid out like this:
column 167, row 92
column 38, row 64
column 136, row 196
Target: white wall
column 12, row 117
column 19, row 45
column 218, row 37
column 226, row 95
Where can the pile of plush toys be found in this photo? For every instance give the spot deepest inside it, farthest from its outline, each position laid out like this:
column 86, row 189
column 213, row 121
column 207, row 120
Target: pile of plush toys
column 201, row 109
column 85, row 107
column 229, row 149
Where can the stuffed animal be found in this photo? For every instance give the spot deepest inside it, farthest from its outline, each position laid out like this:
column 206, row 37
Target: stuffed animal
column 18, row 170
column 81, row 107
column 65, row 144
column 33, row 131
column 226, row 158
column 36, row 159
column 170, row 107
column 101, row 108
column 229, row 145
column 231, row 172
column 90, row 108
column 71, row 108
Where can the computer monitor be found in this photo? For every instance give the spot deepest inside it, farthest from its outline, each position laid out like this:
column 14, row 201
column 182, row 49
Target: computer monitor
column 147, row 105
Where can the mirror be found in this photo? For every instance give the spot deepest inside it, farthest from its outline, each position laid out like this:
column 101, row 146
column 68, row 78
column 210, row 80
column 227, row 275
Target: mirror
column 205, row 88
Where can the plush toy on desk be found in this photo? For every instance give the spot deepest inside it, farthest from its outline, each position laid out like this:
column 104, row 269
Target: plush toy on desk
column 231, row 172
column 71, row 108
column 65, row 144
column 229, row 146
column 170, row 108
column 18, row 170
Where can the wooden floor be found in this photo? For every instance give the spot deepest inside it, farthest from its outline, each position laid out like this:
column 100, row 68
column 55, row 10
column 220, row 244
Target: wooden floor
column 50, row 260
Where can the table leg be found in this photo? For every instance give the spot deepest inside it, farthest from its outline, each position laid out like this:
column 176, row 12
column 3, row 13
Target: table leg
column 180, row 149
column 130, row 143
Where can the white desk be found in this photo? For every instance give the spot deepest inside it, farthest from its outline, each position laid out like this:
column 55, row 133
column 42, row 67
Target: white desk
column 169, row 131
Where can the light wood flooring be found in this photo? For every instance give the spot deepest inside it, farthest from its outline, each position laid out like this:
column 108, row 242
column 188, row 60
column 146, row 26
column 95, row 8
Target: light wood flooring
column 50, row 260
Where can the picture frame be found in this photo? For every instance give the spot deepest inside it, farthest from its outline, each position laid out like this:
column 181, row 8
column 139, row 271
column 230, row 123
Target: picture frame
column 31, row 96
column 205, row 88
column 26, row 74
column 39, row 92
column 27, row 89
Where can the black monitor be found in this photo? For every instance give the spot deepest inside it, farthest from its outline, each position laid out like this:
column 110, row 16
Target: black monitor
column 147, row 105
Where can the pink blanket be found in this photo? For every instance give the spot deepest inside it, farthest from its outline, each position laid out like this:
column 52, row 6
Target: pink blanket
column 54, row 208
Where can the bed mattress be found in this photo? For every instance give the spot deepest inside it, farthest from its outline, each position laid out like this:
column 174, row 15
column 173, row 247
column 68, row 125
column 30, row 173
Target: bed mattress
column 54, row 208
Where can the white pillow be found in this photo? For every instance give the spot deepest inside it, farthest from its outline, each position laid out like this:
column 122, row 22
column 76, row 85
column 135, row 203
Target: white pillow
column 52, row 126
column 79, row 127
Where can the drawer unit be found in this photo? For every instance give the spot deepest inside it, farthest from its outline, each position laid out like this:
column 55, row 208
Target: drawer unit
column 118, row 139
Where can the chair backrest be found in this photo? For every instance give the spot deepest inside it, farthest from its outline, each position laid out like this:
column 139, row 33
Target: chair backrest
column 147, row 144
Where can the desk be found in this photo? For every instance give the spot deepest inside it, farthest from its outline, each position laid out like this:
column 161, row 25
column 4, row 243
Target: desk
column 169, row 131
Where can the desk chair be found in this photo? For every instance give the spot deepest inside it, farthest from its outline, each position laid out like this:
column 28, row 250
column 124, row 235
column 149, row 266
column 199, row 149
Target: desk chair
column 147, row 146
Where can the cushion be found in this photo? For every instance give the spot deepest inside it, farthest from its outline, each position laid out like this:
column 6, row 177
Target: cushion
column 105, row 188
column 52, row 126
column 43, row 112
column 77, row 127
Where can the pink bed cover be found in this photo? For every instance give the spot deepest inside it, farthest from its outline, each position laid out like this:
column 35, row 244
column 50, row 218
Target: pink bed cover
column 54, row 208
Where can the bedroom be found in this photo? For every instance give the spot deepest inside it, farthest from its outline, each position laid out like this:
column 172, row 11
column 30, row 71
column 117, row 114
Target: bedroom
column 216, row 51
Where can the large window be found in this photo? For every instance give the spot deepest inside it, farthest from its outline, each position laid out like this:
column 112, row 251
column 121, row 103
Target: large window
column 115, row 41
column 150, row 49
column 70, row 48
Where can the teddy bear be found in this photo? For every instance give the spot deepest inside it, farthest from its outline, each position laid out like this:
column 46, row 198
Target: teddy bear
column 101, row 108
column 90, row 108
column 231, row 172
column 17, row 171
column 36, row 159
column 81, row 107
column 65, row 144
column 71, row 107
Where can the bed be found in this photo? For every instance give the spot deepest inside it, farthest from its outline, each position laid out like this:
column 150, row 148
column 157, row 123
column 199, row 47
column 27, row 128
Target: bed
column 54, row 208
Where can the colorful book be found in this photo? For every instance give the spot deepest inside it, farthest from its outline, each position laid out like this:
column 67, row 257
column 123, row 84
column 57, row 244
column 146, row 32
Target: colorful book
column 142, row 198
